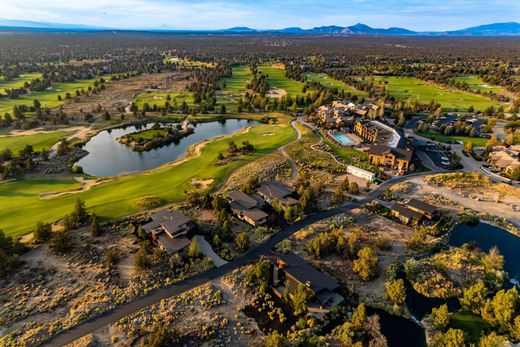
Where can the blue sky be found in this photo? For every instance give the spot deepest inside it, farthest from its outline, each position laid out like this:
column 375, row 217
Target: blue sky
column 205, row 14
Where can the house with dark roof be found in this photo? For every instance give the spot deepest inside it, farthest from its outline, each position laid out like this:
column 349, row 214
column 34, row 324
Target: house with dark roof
column 271, row 191
column 413, row 212
column 427, row 210
column 169, row 230
column 247, row 208
column 394, row 159
column 290, row 271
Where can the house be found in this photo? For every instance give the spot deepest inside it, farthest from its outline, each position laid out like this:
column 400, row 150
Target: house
column 505, row 160
column 405, row 215
column 427, row 210
column 271, row 191
column 169, row 230
column 290, row 271
column 247, row 208
column 397, row 159
column 413, row 212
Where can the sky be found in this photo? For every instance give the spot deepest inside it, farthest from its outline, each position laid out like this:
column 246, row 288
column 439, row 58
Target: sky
column 432, row 15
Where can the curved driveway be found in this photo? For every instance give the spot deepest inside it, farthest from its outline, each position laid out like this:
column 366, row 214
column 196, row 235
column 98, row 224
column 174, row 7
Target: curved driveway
column 110, row 317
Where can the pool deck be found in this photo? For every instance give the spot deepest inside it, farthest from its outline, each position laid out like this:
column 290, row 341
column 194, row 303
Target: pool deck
column 354, row 140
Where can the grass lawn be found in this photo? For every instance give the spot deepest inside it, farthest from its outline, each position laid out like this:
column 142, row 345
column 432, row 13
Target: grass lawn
column 19, row 81
column 38, row 141
column 237, row 83
column 159, row 98
column 351, row 156
column 477, row 141
column 469, row 323
column 476, row 83
column 48, row 98
column 21, row 207
column 405, row 87
column 148, row 134
column 277, row 79
column 330, row 82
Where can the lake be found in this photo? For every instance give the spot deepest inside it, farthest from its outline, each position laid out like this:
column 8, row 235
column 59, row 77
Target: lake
column 399, row 331
column 108, row 157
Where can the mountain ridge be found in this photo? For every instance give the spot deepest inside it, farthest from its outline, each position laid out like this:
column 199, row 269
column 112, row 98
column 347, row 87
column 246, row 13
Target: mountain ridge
column 493, row 29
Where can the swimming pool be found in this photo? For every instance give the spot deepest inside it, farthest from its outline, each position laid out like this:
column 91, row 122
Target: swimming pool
column 345, row 141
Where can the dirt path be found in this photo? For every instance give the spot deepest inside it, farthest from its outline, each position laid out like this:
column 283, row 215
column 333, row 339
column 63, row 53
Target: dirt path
column 294, row 173
column 205, row 248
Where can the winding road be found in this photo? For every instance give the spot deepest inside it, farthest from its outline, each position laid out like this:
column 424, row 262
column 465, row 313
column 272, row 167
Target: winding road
column 154, row 297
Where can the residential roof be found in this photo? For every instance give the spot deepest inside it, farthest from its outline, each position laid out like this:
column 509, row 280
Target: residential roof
column 172, row 245
column 171, row 221
column 421, row 205
column 399, row 153
column 277, row 190
column 255, row 214
column 305, row 273
column 406, row 212
column 243, row 199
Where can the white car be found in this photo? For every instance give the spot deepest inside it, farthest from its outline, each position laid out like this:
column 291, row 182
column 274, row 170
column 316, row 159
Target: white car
column 444, row 158
column 445, row 163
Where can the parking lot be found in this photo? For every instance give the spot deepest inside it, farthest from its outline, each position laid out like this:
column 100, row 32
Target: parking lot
column 439, row 156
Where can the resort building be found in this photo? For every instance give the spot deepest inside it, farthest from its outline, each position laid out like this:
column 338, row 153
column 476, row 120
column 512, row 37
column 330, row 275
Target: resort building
column 397, row 160
column 169, row 230
column 366, row 130
column 271, row 191
column 247, row 208
column 291, row 271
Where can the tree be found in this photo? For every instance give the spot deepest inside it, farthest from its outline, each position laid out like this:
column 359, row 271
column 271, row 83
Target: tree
column 353, row 188
column 95, row 228
column 338, row 195
column 61, row 242
column 396, row 291
column 515, row 329
column 141, row 259
column 259, row 275
column 80, row 213
column 474, row 297
column 300, row 299
column 42, row 232
column 515, row 174
column 492, row 340
column 242, row 242
column 367, row 264
column 359, row 316
column 440, row 317
column 275, row 339
column 194, row 249
column 468, row 146
column 500, row 310
column 452, row 338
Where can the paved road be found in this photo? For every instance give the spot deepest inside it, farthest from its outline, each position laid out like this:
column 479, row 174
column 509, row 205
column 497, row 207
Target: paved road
column 156, row 296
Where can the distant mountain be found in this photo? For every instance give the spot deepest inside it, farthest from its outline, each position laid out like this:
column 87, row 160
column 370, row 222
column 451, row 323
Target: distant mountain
column 495, row 29
column 13, row 23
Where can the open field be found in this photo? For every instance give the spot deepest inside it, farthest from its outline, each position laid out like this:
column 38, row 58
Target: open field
column 19, row 81
column 48, row 98
column 37, row 141
column 330, row 82
column 350, row 156
column 277, row 79
column 123, row 92
column 159, row 99
column 21, row 207
column 476, row 83
column 477, row 141
column 406, row 87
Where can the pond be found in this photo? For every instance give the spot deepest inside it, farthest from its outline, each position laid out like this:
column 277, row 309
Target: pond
column 399, row 331
column 108, row 157
column 487, row 236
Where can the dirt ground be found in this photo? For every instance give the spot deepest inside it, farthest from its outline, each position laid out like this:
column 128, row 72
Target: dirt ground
column 193, row 314
column 123, row 92
column 485, row 200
